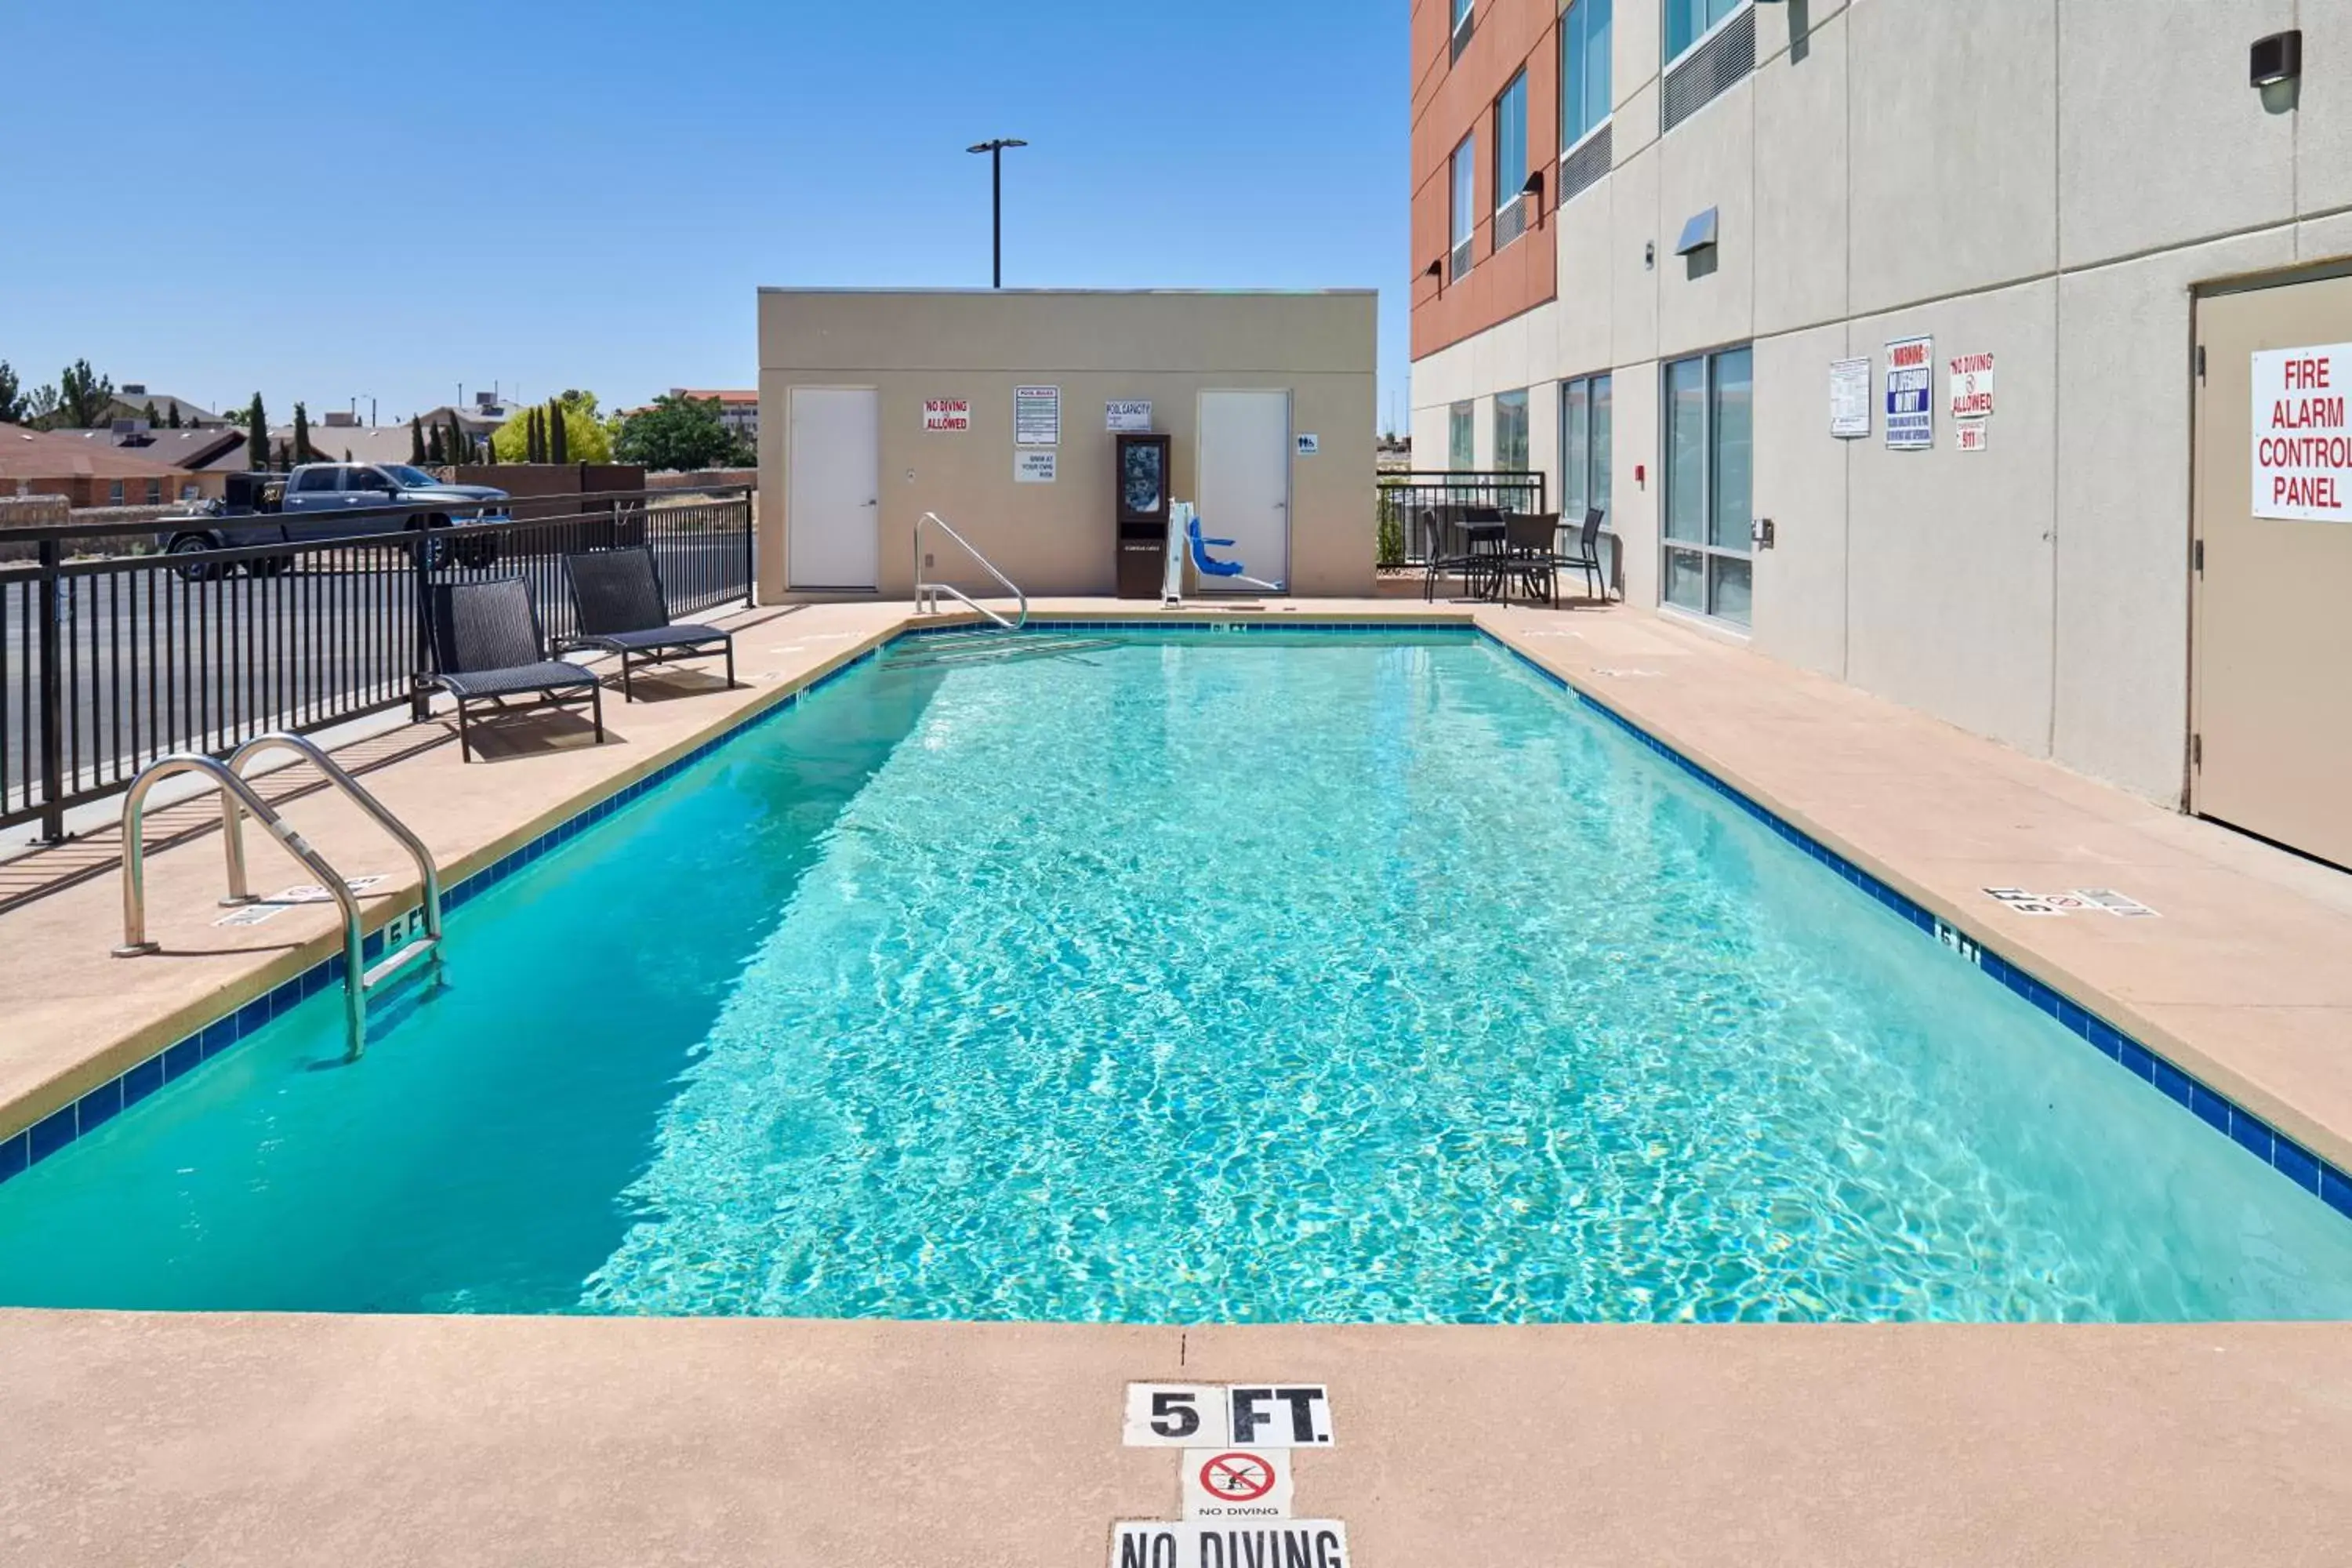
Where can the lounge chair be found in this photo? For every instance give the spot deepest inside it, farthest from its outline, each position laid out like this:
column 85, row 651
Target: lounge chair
column 486, row 648
column 1209, row 567
column 623, row 610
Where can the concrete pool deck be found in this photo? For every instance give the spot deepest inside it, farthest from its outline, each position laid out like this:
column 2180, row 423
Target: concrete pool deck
column 208, row 1438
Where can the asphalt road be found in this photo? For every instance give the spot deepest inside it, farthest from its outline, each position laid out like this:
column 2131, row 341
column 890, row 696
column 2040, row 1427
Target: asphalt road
column 158, row 663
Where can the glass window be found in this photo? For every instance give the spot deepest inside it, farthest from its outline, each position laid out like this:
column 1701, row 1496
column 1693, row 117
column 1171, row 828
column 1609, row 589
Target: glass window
column 1461, row 24
column 1584, row 437
column 1510, row 161
column 114, row 493
column 1584, row 69
column 1465, row 193
column 154, row 492
column 1687, row 21
column 1511, row 432
column 1461, row 454
column 1710, row 467
column 315, row 480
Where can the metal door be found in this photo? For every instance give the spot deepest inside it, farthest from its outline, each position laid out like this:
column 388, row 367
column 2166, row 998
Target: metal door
column 2271, row 688
column 834, row 479
column 1244, row 480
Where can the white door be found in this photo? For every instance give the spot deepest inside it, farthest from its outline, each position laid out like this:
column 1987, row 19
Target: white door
column 835, row 450
column 1244, row 481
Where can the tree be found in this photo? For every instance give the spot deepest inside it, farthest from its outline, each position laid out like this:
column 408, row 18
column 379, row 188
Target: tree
column 84, row 395
column 256, row 435
column 41, row 408
column 559, row 450
column 416, row 439
column 461, row 449
column 154, row 419
column 172, row 420
column 491, row 453
column 302, row 450
column 434, row 454
column 12, row 400
column 586, row 436
column 681, row 434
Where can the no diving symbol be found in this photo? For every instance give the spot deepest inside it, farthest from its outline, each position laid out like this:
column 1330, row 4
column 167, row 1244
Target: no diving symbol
column 1237, row 1477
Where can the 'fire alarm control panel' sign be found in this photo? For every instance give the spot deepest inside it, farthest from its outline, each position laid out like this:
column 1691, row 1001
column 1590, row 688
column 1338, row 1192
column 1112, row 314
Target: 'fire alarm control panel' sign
column 2303, row 446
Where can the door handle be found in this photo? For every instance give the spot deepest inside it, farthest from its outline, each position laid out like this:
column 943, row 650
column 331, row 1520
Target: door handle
column 869, row 503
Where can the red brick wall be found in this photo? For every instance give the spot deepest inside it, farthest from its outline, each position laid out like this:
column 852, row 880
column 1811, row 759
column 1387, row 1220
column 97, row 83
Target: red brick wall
column 1451, row 98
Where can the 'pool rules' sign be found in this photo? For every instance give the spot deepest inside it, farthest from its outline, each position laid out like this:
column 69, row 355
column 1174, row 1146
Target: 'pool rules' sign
column 2302, row 448
column 1234, row 1416
column 1910, row 394
column 1037, row 415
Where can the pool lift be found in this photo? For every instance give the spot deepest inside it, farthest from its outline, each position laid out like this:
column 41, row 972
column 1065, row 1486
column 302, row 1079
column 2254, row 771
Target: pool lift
column 420, row 954
column 1184, row 539
column 994, row 638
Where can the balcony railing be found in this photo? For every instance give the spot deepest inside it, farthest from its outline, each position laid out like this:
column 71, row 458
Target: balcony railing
column 1405, row 495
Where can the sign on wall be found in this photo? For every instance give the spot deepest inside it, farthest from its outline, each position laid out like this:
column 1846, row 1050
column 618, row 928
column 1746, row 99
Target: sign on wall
column 2303, row 446
column 1910, row 394
column 1970, row 382
column 1037, row 415
column 1125, row 414
column 1849, row 398
column 1033, row 468
column 947, row 414
column 1309, row 445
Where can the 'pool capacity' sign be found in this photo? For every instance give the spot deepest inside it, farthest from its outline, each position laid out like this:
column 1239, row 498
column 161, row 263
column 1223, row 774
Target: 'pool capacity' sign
column 2303, row 448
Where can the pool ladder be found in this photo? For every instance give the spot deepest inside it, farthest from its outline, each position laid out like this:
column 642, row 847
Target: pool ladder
column 993, row 639
column 237, row 797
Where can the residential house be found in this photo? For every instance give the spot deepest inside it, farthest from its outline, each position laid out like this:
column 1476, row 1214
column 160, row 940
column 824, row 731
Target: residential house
column 90, row 469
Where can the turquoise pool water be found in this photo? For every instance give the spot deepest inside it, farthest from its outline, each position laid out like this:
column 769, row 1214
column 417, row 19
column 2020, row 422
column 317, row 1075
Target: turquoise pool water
column 1201, row 978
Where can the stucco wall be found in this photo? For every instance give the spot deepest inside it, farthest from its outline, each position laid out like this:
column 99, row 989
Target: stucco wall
column 1166, row 347
column 2046, row 180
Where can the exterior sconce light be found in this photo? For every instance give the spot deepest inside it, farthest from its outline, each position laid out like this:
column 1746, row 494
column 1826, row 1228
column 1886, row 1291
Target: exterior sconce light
column 1698, row 234
column 1533, row 187
column 2275, row 59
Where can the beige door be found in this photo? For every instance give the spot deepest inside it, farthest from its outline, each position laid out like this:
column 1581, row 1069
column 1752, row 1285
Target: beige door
column 2272, row 679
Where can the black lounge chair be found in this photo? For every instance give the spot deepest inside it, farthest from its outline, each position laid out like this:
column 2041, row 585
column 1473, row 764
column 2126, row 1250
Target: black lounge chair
column 486, row 648
column 623, row 610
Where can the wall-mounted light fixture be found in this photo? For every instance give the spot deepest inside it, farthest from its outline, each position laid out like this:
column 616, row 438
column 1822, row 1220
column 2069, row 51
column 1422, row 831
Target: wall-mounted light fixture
column 2275, row 59
column 1649, row 254
column 1437, row 270
column 1533, row 187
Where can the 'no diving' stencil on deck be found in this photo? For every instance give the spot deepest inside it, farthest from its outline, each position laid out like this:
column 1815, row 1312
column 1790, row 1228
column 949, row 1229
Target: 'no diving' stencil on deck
column 1236, row 1483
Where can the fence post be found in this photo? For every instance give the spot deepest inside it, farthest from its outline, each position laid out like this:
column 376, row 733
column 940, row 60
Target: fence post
column 52, row 698
column 751, row 552
column 420, row 574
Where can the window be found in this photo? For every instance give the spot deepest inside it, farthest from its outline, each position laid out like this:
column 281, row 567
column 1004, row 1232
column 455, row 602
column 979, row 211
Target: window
column 1584, row 447
column 1511, row 161
column 1584, row 69
column 316, row 480
column 1465, row 191
column 114, row 493
column 191, row 491
column 1687, row 21
column 1464, row 22
column 1709, row 461
column 1461, row 454
column 1511, row 432
column 154, row 492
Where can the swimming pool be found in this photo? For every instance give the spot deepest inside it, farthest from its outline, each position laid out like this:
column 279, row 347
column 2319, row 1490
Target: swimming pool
column 1240, row 977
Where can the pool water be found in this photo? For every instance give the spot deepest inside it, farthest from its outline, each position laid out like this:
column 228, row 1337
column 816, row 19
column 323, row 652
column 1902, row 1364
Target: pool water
column 1243, row 977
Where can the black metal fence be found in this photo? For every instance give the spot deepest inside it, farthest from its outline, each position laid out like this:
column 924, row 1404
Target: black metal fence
column 110, row 659
column 1404, row 496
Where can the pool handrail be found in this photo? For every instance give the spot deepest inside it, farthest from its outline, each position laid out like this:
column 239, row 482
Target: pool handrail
column 927, row 593
column 428, row 875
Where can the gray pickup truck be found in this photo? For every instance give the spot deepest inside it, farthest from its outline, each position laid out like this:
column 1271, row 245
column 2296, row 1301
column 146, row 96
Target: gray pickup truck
column 318, row 500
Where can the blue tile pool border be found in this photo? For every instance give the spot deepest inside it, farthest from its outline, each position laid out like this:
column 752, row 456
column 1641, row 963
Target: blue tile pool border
column 22, row 1150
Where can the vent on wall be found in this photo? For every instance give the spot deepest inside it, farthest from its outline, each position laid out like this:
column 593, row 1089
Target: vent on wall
column 1707, row 70
column 1586, row 161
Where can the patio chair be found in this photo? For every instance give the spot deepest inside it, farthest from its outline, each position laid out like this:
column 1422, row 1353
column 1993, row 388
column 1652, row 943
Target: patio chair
column 486, row 648
column 623, row 610
column 1587, row 558
column 1530, row 540
column 1446, row 546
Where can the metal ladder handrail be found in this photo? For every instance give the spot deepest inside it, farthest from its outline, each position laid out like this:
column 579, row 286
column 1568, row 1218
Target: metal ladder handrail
column 927, row 593
column 237, row 797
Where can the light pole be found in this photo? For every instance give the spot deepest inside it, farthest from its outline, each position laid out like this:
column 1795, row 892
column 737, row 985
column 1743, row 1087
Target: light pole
column 996, row 151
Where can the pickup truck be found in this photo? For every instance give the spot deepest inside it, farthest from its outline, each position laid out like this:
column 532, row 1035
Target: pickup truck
column 316, row 500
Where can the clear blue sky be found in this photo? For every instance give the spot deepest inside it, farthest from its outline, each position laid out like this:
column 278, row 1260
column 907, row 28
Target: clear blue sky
column 324, row 201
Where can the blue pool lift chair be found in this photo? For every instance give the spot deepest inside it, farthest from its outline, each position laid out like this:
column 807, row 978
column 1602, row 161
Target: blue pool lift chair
column 1208, row 566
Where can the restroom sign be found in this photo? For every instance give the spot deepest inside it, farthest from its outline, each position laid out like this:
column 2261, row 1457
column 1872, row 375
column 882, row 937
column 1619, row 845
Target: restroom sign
column 1910, row 394
column 1228, row 1415
column 2303, row 446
